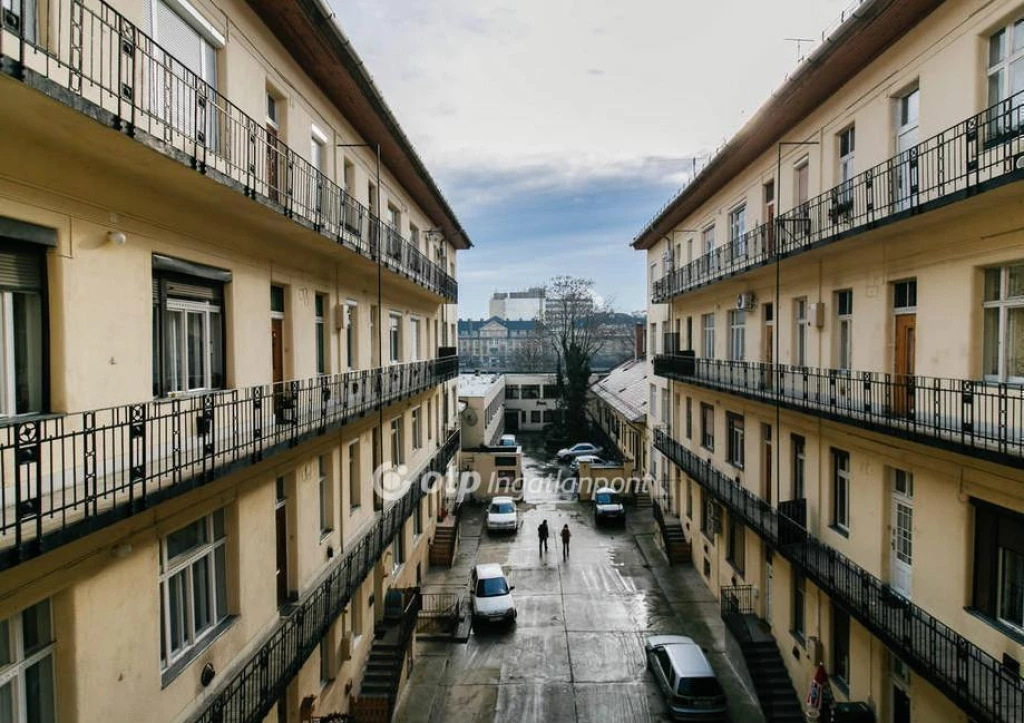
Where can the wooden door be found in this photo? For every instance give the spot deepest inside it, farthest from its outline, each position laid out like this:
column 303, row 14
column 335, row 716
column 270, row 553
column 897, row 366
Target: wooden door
column 277, row 348
column 904, row 364
column 281, row 523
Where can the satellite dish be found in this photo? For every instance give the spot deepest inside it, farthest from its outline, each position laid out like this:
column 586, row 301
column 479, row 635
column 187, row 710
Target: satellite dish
column 470, row 416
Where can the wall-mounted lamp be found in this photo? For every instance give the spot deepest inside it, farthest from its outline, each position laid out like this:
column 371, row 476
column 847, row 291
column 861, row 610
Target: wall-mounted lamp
column 117, row 237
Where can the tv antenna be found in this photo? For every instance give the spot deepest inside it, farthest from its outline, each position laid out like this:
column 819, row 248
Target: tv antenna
column 799, row 45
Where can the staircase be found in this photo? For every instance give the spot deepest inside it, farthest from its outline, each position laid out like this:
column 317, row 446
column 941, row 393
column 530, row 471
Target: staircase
column 642, row 500
column 767, row 670
column 382, row 676
column 677, row 549
column 442, row 550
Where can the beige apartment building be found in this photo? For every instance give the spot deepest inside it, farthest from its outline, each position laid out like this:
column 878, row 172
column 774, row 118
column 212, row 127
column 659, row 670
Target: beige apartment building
column 227, row 288
column 836, row 327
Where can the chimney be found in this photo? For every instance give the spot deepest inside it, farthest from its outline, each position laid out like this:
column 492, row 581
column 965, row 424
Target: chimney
column 639, row 341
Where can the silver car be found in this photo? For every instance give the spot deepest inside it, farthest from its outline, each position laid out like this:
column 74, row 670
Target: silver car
column 687, row 682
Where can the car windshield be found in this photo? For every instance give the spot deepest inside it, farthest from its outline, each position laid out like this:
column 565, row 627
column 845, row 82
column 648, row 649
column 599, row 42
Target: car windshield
column 699, row 688
column 491, row 587
column 607, row 498
column 503, row 508
column 583, row 447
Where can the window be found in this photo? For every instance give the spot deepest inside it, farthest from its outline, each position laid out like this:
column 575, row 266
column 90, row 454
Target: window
column 22, row 329
column 799, row 462
column 652, row 403
column 904, row 295
column 801, row 186
column 797, row 607
column 550, row 391
column 27, row 692
column 350, row 335
column 1006, row 73
column 707, row 427
column 531, row 391
column 321, row 334
column 689, row 498
column 316, row 160
column 734, row 443
column 738, row 229
column 1003, row 354
column 417, row 429
column 841, row 490
column 844, row 329
column 326, row 670
column 414, row 237
column 324, row 484
column 188, row 326
column 414, row 339
column 736, row 552
column 840, row 644
column 708, row 516
column 430, row 419
column 737, row 334
column 395, row 337
column 708, row 239
column 193, row 586
column 689, row 418
column 399, row 547
column 397, row 443
column 666, row 409
column 417, row 520
column 800, row 332
column 707, row 323
column 847, row 146
column 512, row 391
column 535, row 417
column 354, row 487
column 999, row 564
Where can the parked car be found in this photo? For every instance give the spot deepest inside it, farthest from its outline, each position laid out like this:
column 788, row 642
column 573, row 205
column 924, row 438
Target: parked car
column 608, row 506
column 564, row 455
column 501, row 515
column 589, row 458
column 491, row 596
column 507, row 440
column 685, row 677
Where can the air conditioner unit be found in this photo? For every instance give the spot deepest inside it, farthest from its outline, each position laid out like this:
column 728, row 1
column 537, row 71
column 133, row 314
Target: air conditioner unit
column 745, row 300
column 816, row 314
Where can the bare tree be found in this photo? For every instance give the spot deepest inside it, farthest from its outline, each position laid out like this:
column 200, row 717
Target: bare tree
column 533, row 353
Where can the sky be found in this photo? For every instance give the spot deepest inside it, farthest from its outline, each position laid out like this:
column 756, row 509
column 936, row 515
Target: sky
column 558, row 128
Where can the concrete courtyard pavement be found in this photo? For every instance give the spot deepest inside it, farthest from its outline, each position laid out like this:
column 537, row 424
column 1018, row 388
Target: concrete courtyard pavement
column 575, row 654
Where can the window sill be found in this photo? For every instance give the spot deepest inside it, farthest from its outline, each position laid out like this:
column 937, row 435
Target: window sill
column 168, row 675
column 736, row 465
column 354, row 509
column 29, row 417
column 324, row 534
column 1008, row 630
column 842, row 531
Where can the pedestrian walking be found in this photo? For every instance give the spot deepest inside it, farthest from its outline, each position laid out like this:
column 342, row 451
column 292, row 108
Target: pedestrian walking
column 565, row 541
column 542, row 536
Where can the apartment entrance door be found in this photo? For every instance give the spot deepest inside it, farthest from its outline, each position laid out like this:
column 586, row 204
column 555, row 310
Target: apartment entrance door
column 904, row 364
column 902, row 524
column 281, row 535
column 900, row 705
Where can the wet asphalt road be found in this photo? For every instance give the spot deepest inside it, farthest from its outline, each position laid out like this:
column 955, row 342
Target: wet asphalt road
column 575, row 654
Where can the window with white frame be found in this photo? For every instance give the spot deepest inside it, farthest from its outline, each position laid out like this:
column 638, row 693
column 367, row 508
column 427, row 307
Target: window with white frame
column 799, row 465
column 323, row 470
column 1006, row 73
column 399, row 547
column 735, row 448
column 27, row 688
column 350, row 335
column 999, row 564
column 653, row 402
column 737, row 334
column 188, row 326
column 326, row 666
column 414, row 339
column 397, row 441
column 666, row 409
column 800, row 332
column 707, row 325
column 708, row 239
column 844, row 329
column 355, row 489
column 22, row 329
column 395, row 337
column 320, row 304
column 1003, row 352
column 193, row 586
column 707, row 427
column 417, row 429
column 738, row 229
column 847, row 147
column 841, row 490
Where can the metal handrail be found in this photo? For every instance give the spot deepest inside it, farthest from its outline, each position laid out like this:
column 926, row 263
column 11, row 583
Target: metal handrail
column 978, row 153
column 65, row 476
column 979, row 418
column 94, row 52
column 967, row 675
column 251, row 692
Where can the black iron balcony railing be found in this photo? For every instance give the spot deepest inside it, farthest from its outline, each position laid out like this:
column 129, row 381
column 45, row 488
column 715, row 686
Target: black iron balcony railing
column 978, row 418
column 975, row 155
column 84, row 50
column 971, row 678
column 253, row 689
column 63, row 477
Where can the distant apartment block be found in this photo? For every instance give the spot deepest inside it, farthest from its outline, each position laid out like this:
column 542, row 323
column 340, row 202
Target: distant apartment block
column 525, row 305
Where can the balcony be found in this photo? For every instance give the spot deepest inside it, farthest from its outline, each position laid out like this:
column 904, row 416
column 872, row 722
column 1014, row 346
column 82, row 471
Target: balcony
column 64, row 477
column 83, row 53
column 976, row 418
column 971, row 678
column 976, row 155
column 251, row 692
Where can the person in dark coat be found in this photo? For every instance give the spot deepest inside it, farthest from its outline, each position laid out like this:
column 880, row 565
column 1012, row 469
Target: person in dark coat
column 542, row 536
column 565, row 541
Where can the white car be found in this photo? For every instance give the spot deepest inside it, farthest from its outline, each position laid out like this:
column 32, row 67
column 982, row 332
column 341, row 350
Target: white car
column 564, row 455
column 507, row 440
column 685, row 677
column 490, row 596
column 501, row 515
column 608, row 506
column 591, row 459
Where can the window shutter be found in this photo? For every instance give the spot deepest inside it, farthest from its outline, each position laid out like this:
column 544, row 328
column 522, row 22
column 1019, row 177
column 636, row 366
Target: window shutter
column 21, row 270
column 179, row 38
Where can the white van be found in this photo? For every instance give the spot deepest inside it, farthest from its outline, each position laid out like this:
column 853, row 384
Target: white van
column 608, row 506
column 490, row 596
